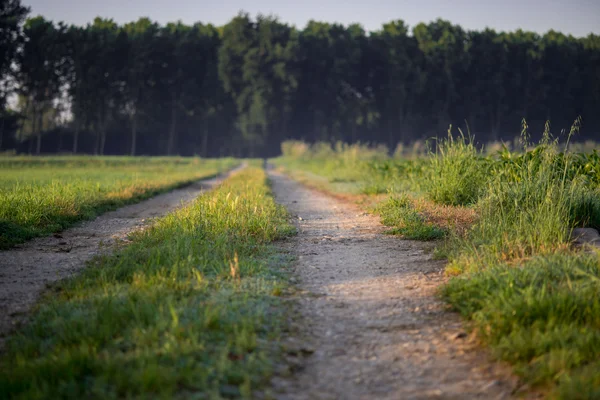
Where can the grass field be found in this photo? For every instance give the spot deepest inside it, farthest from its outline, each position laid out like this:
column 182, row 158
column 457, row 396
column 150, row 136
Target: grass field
column 189, row 309
column 41, row 195
column 505, row 219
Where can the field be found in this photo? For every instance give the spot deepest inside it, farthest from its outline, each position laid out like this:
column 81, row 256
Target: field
column 44, row 195
column 504, row 222
column 196, row 304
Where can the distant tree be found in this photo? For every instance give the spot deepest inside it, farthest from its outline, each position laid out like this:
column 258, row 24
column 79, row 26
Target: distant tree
column 394, row 78
column 256, row 63
column 106, row 76
column 12, row 16
column 485, row 96
column 144, row 61
column 189, row 78
column 444, row 63
column 41, row 71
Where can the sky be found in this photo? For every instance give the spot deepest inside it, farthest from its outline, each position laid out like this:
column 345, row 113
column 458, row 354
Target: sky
column 576, row 17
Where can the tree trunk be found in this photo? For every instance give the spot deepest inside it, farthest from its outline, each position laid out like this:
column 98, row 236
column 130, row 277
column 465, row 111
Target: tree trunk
column 102, row 140
column 173, row 128
column 401, row 124
column 38, row 146
column 2, row 132
column 133, row 135
column 205, row 142
column 496, row 126
column 75, row 138
column 101, row 135
column 471, row 123
column 60, row 141
column 98, row 135
column 33, row 130
column 97, row 144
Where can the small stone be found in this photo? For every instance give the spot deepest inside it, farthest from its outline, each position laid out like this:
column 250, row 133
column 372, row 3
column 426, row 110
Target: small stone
column 489, row 385
column 459, row 335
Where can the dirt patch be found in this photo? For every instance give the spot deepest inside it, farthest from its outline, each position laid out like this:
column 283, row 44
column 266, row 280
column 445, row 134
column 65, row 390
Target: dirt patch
column 374, row 328
column 28, row 269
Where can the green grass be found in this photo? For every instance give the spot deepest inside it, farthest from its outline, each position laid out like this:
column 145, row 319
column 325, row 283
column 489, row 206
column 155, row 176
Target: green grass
column 529, row 207
column 340, row 168
column 41, row 195
column 543, row 317
column 400, row 213
column 532, row 298
column 456, row 173
column 189, row 309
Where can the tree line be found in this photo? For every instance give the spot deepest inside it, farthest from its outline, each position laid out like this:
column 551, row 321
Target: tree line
column 243, row 88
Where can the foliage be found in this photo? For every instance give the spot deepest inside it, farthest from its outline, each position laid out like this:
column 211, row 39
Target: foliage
column 188, row 309
column 12, row 16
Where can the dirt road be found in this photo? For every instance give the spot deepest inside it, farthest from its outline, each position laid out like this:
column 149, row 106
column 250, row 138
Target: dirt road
column 372, row 319
column 26, row 271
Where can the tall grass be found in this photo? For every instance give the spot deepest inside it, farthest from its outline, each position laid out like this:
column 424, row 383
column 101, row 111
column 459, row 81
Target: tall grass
column 530, row 206
column 399, row 213
column 526, row 292
column 456, row 172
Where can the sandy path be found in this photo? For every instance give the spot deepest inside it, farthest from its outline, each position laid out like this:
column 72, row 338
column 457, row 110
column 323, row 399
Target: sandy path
column 27, row 270
column 372, row 320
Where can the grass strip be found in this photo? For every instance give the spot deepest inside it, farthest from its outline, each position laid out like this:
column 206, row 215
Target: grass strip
column 189, row 309
column 39, row 196
column 399, row 213
column 543, row 317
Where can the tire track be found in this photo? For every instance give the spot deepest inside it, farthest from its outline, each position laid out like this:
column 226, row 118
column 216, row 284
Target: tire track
column 371, row 318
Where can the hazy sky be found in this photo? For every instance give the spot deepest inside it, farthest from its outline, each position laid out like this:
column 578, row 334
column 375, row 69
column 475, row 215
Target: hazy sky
column 577, row 17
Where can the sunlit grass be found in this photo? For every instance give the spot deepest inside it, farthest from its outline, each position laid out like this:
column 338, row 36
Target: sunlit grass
column 40, row 195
